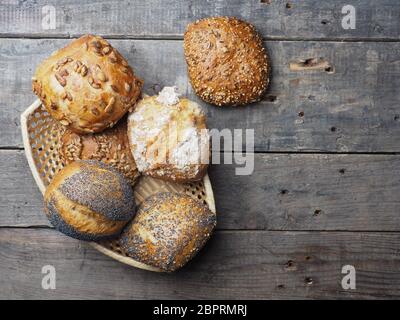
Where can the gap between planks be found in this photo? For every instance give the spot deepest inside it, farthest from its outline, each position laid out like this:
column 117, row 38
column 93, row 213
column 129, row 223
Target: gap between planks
column 44, row 227
column 180, row 38
column 382, row 153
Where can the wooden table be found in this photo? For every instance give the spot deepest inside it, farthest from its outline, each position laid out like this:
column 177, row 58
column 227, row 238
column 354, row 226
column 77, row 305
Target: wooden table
column 325, row 192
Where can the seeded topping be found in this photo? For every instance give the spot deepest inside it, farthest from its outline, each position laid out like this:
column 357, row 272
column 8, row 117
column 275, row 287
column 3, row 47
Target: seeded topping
column 226, row 60
column 60, row 79
column 89, row 200
column 101, row 76
column 168, row 230
column 90, row 187
column 84, row 70
column 87, row 72
column 110, row 146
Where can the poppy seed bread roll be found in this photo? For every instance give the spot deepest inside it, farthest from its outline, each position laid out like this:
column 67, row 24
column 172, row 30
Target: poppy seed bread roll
column 227, row 63
column 89, row 200
column 87, row 85
column 168, row 230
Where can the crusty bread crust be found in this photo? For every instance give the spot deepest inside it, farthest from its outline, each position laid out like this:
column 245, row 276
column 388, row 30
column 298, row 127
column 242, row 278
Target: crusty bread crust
column 227, row 63
column 169, row 142
column 168, row 230
column 89, row 200
column 87, row 86
column 110, row 147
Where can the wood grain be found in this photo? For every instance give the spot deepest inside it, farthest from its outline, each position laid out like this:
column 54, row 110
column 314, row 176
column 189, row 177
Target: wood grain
column 350, row 107
column 284, row 232
column 233, row 265
column 286, row 192
column 306, row 19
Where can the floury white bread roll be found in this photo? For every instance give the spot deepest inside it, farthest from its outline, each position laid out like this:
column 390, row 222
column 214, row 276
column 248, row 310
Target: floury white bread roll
column 87, row 86
column 168, row 230
column 168, row 137
column 89, row 200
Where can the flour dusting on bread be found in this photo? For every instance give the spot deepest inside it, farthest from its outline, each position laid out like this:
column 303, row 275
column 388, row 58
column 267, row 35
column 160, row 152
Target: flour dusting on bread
column 169, row 138
column 190, row 150
column 168, row 96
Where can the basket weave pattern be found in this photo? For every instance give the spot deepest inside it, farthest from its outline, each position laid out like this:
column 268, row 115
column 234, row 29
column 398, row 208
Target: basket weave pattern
column 41, row 136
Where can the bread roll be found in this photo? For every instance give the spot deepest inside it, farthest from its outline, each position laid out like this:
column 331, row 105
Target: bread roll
column 87, row 86
column 110, row 146
column 168, row 137
column 89, row 200
column 227, row 62
column 168, row 230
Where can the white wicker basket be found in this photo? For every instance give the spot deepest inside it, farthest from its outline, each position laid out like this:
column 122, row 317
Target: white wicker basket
column 41, row 133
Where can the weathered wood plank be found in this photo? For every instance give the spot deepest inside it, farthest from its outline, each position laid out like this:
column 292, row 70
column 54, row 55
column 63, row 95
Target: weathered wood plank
column 233, row 265
column 168, row 18
column 311, row 192
column 351, row 107
column 286, row 192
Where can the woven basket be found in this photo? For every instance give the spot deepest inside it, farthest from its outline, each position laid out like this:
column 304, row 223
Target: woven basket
column 41, row 135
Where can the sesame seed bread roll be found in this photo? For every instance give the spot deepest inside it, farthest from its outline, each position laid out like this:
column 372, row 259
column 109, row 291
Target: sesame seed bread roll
column 89, row 200
column 227, row 63
column 87, row 86
column 168, row 137
column 167, row 231
column 109, row 146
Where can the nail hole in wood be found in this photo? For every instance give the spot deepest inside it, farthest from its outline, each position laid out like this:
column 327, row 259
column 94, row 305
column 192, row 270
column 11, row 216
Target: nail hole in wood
column 271, row 98
column 290, row 265
column 333, row 129
column 284, row 191
column 329, row 70
column 396, row 117
column 317, row 212
column 301, row 114
column 280, row 286
column 288, row 5
column 308, row 258
column 342, row 171
column 311, row 64
column 324, row 22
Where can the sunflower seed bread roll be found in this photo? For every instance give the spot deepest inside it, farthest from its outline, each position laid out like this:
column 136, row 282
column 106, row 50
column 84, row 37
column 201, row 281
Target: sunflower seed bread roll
column 168, row 137
column 109, row 146
column 167, row 231
column 89, row 200
column 227, row 63
column 87, row 85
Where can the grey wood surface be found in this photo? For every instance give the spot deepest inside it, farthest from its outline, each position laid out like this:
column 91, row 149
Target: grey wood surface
column 359, row 100
column 305, row 19
column 286, row 192
column 326, row 185
column 232, row 265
